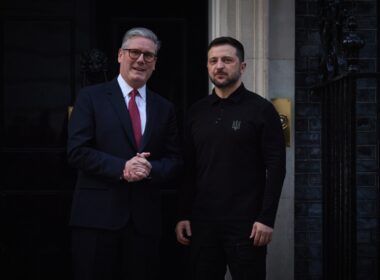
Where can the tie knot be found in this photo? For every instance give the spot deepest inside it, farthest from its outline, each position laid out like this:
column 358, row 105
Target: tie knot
column 134, row 93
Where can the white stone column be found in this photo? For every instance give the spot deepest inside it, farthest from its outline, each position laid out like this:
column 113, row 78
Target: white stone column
column 267, row 30
column 282, row 85
column 247, row 21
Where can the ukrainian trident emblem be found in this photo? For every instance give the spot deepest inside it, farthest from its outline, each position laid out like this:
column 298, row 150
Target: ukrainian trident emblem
column 236, row 125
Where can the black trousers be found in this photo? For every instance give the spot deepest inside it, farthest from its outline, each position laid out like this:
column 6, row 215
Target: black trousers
column 214, row 245
column 99, row 254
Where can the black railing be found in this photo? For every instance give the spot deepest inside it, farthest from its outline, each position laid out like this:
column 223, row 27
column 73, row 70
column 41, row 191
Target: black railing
column 339, row 120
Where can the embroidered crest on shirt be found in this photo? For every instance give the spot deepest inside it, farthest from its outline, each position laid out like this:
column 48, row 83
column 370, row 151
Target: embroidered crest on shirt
column 236, row 125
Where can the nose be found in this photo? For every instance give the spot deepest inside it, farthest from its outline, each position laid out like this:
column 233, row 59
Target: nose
column 219, row 64
column 141, row 58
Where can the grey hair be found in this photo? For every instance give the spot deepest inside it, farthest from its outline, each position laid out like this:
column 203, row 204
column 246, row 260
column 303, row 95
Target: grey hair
column 141, row 32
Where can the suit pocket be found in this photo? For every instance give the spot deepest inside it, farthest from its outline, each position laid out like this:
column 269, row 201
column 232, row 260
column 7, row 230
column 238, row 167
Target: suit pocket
column 88, row 183
column 100, row 188
column 92, row 185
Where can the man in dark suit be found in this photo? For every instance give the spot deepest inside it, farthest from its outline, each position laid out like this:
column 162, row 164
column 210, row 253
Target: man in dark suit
column 235, row 167
column 123, row 141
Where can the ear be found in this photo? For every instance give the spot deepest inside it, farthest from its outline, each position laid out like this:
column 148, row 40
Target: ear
column 154, row 65
column 242, row 66
column 120, row 55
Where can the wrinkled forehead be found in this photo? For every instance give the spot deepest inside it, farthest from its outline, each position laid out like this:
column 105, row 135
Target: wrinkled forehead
column 139, row 42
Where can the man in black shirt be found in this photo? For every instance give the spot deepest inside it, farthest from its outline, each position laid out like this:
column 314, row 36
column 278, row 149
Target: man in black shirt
column 235, row 168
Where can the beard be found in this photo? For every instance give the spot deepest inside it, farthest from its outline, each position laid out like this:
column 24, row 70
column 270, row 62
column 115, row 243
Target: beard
column 227, row 82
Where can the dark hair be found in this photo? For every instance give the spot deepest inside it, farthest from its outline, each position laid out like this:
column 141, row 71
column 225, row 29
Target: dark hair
column 229, row 41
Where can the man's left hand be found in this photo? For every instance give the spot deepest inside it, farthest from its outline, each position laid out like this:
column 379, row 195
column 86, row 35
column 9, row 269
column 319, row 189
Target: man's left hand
column 261, row 234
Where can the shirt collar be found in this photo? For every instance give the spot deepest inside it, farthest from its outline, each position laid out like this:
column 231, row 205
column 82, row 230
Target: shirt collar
column 126, row 89
column 234, row 97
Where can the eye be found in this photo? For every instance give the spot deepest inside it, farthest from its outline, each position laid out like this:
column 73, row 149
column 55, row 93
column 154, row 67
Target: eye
column 227, row 60
column 149, row 56
column 134, row 52
column 212, row 61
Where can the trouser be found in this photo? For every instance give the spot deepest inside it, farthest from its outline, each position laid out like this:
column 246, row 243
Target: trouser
column 100, row 254
column 214, row 245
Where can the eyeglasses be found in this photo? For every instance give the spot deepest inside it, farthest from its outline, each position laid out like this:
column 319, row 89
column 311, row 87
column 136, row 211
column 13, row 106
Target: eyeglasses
column 135, row 54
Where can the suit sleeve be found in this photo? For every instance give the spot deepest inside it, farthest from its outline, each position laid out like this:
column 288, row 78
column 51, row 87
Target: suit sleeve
column 187, row 191
column 169, row 165
column 81, row 147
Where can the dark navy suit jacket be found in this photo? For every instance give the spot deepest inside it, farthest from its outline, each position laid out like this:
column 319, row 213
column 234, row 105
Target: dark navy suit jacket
column 101, row 141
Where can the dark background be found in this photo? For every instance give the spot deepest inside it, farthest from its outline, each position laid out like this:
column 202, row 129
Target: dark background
column 41, row 45
column 309, row 203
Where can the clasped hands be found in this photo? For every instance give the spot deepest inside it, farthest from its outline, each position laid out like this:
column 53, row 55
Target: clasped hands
column 137, row 168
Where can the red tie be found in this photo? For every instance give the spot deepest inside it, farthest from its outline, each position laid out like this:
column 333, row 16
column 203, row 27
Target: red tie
column 135, row 116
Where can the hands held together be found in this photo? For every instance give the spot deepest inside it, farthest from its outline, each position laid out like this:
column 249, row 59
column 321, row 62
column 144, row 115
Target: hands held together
column 137, row 168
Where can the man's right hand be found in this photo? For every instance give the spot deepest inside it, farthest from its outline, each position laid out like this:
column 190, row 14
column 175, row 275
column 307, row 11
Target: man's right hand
column 137, row 168
column 183, row 232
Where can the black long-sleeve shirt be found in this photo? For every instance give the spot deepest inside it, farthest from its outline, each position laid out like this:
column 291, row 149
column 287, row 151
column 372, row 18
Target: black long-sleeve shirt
column 235, row 159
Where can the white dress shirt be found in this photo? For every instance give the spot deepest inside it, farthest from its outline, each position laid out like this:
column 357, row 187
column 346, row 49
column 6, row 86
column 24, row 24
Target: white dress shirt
column 140, row 99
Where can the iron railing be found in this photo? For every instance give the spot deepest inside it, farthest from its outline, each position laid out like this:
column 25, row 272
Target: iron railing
column 339, row 120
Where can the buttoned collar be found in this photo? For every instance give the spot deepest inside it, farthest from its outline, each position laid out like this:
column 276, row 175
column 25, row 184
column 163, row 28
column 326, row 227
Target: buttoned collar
column 235, row 97
column 126, row 89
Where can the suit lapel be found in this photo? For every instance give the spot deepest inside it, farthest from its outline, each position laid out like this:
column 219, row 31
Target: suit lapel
column 117, row 100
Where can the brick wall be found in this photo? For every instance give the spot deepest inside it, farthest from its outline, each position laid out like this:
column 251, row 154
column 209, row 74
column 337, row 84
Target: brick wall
column 308, row 193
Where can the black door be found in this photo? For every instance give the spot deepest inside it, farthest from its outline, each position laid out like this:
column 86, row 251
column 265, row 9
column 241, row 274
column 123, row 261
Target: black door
column 42, row 43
